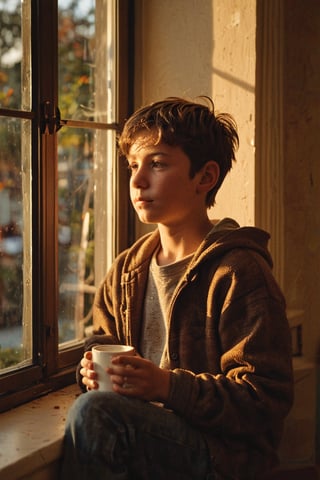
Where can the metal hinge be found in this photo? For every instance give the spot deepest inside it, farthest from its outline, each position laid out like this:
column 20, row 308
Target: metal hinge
column 50, row 121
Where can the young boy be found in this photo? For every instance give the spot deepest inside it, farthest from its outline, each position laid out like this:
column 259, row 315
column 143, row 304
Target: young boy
column 206, row 394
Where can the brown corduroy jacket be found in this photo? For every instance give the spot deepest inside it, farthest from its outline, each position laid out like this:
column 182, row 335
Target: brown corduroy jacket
column 229, row 342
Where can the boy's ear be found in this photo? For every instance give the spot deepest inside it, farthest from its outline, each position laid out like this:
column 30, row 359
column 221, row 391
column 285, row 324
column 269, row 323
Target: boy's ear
column 209, row 176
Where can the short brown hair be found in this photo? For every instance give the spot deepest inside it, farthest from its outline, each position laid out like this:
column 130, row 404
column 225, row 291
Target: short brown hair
column 194, row 127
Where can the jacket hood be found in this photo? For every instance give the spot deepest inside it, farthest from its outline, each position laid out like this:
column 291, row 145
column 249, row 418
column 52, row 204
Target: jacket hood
column 225, row 235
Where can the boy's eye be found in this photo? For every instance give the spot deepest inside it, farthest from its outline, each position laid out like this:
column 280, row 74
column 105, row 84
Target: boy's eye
column 156, row 164
column 132, row 166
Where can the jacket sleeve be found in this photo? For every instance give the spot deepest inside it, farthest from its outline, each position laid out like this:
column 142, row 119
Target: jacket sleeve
column 109, row 303
column 104, row 316
column 251, row 388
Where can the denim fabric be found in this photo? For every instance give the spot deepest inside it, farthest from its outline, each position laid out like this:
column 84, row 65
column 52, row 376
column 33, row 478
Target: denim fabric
column 112, row 437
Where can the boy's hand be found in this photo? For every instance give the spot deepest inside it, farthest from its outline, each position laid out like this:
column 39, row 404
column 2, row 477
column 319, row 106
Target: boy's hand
column 88, row 374
column 137, row 377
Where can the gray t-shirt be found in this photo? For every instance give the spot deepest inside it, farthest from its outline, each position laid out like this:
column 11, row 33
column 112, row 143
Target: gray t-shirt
column 162, row 282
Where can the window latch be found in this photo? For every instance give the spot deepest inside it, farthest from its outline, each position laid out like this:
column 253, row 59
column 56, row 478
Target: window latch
column 50, row 121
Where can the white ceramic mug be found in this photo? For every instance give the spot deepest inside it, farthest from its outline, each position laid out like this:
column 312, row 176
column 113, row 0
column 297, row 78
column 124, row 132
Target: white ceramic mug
column 102, row 357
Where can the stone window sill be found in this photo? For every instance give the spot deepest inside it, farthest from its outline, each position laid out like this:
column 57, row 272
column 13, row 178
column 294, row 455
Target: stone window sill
column 31, row 436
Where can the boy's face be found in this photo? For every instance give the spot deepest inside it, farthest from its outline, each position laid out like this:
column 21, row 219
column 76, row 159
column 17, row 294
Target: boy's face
column 161, row 189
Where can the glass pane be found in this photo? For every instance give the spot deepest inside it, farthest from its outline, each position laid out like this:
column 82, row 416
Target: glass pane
column 87, row 69
column 85, row 205
column 15, row 243
column 15, row 54
column 87, row 74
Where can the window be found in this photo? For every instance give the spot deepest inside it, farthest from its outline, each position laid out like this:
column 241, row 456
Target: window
column 64, row 214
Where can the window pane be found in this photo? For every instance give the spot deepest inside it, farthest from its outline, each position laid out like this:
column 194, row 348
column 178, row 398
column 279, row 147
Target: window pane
column 15, row 243
column 86, row 60
column 15, row 54
column 87, row 75
column 85, row 189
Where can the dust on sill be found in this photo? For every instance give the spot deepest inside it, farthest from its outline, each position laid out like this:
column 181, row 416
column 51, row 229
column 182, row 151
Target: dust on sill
column 31, row 435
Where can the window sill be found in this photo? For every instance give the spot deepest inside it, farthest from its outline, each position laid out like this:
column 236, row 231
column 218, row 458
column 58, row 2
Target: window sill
column 31, row 435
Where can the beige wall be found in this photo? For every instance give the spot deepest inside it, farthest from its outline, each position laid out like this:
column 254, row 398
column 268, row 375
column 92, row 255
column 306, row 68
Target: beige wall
column 204, row 47
column 302, row 166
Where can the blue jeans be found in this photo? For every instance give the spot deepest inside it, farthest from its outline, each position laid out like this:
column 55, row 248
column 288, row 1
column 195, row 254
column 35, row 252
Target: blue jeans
column 111, row 437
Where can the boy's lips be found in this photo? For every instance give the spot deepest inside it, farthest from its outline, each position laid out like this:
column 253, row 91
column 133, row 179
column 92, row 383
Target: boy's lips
column 142, row 200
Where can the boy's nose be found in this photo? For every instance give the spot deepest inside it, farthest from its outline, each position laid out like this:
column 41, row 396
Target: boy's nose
column 139, row 179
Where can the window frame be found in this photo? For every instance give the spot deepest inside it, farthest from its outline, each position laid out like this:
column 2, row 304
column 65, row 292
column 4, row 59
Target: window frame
column 52, row 369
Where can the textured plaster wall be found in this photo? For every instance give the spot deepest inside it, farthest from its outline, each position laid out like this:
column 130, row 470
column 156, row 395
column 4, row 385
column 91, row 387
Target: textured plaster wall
column 204, row 47
column 302, row 166
column 233, row 87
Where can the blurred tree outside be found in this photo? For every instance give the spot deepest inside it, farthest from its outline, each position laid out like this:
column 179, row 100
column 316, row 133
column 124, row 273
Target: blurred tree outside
column 10, row 53
column 76, row 48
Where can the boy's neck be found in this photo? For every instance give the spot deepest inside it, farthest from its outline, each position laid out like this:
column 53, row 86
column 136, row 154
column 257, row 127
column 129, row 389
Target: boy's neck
column 178, row 243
